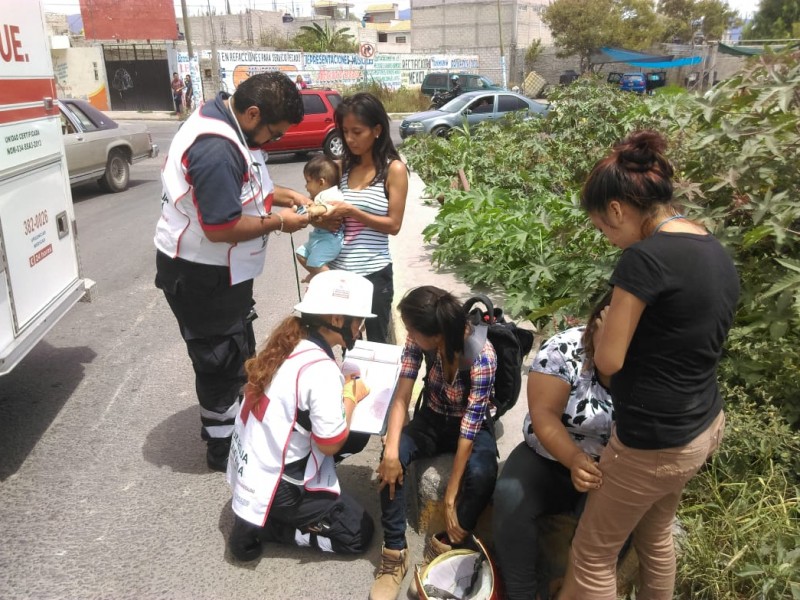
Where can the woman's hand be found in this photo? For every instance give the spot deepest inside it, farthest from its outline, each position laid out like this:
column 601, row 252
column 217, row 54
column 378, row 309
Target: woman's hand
column 355, row 389
column 454, row 530
column 585, row 473
column 332, row 220
column 390, row 472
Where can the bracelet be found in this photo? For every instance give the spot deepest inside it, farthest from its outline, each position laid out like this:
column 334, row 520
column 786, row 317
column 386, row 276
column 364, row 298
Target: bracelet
column 280, row 229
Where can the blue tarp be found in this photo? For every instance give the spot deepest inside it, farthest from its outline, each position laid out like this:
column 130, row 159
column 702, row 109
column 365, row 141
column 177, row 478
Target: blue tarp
column 642, row 60
column 675, row 62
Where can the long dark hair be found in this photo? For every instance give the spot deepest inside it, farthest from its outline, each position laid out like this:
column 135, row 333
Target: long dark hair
column 368, row 110
column 635, row 172
column 591, row 326
column 434, row 311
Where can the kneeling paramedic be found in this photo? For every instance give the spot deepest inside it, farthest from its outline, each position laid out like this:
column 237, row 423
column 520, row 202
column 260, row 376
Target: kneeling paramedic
column 294, row 426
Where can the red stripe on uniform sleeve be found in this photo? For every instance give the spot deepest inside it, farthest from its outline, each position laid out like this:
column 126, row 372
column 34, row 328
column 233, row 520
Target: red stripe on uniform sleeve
column 330, row 441
column 220, row 227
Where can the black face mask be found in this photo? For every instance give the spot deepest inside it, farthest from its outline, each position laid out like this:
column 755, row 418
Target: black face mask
column 346, row 331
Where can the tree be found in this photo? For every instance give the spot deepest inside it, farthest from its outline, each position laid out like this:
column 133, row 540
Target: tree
column 684, row 19
column 582, row 27
column 317, row 39
column 533, row 52
column 775, row 19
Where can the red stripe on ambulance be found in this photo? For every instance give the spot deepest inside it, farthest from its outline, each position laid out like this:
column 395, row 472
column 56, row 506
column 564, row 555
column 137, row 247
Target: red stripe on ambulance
column 25, row 91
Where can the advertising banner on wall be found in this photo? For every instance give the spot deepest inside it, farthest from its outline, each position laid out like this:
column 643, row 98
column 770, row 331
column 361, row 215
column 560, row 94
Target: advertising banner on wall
column 327, row 69
column 237, row 65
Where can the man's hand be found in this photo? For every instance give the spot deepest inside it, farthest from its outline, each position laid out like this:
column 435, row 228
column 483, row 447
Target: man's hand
column 292, row 221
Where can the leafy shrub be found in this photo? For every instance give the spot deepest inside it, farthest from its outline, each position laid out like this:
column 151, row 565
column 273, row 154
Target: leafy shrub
column 400, row 100
column 520, row 230
column 742, row 513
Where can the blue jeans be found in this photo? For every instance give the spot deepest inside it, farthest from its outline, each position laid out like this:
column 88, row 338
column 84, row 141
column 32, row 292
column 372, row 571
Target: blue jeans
column 429, row 434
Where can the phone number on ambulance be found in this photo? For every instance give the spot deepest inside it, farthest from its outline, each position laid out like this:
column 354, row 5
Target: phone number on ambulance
column 35, row 222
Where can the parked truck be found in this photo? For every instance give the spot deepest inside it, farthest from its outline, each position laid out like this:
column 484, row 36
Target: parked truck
column 40, row 274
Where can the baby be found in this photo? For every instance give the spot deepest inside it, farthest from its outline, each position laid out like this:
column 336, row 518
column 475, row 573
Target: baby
column 322, row 181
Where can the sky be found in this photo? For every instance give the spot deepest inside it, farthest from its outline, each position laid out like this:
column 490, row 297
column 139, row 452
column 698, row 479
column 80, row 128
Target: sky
column 302, row 7
column 195, row 7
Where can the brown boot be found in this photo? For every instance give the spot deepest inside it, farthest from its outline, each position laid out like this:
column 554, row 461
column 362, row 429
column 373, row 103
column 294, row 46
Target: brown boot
column 394, row 566
column 434, row 546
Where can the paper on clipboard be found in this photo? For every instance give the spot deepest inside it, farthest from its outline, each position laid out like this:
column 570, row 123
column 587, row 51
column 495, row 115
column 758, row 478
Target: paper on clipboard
column 379, row 366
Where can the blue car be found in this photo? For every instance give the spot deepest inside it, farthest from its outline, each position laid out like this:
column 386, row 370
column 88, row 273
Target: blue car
column 633, row 82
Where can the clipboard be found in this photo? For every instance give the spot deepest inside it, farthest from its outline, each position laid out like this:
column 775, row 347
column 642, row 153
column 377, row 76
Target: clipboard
column 379, row 366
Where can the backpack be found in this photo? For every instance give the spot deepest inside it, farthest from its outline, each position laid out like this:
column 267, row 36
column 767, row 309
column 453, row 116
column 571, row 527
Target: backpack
column 510, row 343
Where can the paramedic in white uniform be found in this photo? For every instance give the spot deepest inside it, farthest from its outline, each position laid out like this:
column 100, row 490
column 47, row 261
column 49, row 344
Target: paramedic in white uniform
column 294, row 426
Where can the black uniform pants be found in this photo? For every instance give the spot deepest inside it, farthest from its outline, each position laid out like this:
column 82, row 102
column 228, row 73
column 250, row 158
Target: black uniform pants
column 215, row 321
column 318, row 519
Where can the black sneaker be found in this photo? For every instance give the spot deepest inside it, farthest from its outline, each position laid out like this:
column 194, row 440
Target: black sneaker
column 217, row 454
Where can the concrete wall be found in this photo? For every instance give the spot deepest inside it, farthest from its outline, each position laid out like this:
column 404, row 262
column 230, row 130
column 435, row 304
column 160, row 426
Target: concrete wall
column 80, row 73
column 243, row 29
column 474, row 27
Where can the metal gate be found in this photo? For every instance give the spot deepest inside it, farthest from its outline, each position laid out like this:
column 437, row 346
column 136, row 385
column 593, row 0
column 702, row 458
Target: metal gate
column 138, row 77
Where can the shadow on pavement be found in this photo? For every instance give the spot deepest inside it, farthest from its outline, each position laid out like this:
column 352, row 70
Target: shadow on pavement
column 32, row 395
column 176, row 443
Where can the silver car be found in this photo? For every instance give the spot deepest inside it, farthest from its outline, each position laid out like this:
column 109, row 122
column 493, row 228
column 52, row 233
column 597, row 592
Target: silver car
column 471, row 108
column 98, row 148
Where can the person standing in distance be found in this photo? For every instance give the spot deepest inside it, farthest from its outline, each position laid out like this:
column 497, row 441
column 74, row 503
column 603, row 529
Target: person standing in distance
column 177, row 92
column 211, row 239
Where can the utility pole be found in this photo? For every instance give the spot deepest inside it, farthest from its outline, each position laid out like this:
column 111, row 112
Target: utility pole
column 502, row 51
column 215, row 74
column 187, row 34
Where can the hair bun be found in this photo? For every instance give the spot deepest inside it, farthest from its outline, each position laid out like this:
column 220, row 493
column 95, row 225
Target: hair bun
column 641, row 150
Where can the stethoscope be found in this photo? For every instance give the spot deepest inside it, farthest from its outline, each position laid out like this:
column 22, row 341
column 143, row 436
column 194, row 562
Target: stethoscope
column 253, row 167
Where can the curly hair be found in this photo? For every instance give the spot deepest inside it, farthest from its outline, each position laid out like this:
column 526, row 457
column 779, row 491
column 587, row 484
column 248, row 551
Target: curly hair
column 280, row 344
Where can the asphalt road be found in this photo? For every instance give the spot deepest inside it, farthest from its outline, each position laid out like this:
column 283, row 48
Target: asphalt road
column 104, row 491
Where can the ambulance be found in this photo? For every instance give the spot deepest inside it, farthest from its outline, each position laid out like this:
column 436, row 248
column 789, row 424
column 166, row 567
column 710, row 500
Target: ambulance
column 40, row 274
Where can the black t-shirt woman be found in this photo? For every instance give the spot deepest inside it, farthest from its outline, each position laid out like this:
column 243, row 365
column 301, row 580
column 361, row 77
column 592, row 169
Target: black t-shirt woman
column 660, row 340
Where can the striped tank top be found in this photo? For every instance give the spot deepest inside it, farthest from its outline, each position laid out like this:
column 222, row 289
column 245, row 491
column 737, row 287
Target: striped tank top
column 364, row 250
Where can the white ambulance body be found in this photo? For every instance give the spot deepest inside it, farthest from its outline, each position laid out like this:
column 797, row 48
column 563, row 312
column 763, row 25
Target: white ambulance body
column 40, row 276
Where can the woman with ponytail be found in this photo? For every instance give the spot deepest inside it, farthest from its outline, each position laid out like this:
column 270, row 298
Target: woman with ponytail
column 675, row 291
column 294, row 425
column 454, row 417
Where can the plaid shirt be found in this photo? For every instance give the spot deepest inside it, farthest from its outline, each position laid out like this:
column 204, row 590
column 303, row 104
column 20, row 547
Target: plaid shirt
column 448, row 398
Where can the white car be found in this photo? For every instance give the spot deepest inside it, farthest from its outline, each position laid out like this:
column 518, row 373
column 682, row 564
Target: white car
column 100, row 149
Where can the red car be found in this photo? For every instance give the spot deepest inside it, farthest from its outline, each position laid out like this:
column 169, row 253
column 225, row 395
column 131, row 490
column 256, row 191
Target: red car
column 316, row 131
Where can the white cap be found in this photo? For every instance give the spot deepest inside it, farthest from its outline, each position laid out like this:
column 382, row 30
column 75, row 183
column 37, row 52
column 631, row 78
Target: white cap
column 338, row 293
